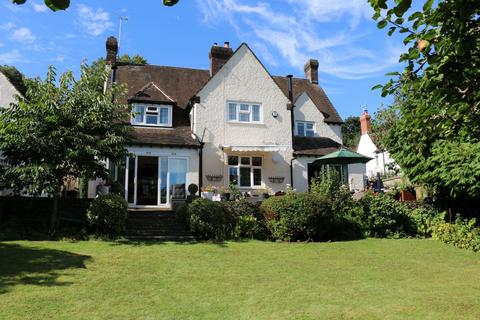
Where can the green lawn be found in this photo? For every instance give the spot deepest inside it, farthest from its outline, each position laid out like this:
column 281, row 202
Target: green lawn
column 369, row 279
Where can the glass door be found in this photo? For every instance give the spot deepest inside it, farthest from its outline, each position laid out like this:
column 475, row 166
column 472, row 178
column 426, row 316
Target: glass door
column 147, row 181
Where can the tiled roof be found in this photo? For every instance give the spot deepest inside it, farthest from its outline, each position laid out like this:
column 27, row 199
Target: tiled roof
column 151, row 93
column 166, row 137
column 314, row 146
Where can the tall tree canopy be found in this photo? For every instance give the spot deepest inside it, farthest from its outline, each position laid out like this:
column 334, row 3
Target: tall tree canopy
column 436, row 140
column 62, row 128
column 56, row 5
column 351, row 132
column 16, row 78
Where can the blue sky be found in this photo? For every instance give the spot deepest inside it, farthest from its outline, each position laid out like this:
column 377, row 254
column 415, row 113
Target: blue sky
column 353, row 54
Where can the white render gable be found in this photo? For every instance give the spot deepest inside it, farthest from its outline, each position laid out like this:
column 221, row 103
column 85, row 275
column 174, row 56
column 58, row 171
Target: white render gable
column 7, row 92
column 305, row 110
column 244, row 80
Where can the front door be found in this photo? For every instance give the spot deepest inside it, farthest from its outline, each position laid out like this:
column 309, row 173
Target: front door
column 147, row 181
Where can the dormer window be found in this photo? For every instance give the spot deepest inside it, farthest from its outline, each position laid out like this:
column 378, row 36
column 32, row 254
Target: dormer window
column 305, row 128
column 152, row 115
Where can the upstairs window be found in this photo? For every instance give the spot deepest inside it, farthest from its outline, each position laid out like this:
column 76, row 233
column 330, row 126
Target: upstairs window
column 305, row 129
column 244, row 112
column 152, row 115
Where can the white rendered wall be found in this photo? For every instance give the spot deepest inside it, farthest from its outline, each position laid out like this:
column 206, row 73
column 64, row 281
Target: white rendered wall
column 379, row 161
column 243, row 79
column 305, row 110
column 7, row 92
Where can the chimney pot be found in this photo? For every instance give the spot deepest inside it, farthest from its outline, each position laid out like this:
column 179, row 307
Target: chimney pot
column 112, row 51
column 226, row 44
column 215, row 44
column 365, row 123
column 311, row 71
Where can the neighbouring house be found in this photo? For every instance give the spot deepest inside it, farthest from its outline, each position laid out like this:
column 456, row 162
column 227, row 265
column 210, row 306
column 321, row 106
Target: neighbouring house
column 7, row 96
column 232, row 124
column 381, row 162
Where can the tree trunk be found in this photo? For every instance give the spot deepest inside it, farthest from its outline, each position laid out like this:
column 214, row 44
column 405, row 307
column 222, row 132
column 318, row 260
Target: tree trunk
column 54, row 216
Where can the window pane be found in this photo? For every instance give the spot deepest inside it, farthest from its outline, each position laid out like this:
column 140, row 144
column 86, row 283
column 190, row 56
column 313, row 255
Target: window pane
column 245, row 117
column 255, row 113
column 246, row 160
column 152, row 119
column 131, row 180
column 245, row 178
column 310, row 133
column 233, row 160
column 178, row 178
column 232, row 111
column 257, row 161
column 309, row 126
column 244, row 107
column 300, row 128
column 233, row 173
column 164, row 116
column 139, row 113
column 257, row 177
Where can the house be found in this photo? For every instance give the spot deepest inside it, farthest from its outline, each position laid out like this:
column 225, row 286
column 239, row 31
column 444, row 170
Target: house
column 381, row 164
column 232, row 124
column 8, row 92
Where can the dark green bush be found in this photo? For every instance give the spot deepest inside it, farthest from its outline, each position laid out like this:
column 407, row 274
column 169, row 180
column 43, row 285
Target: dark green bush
column 207, row 220
column 462, row 234
column 382, row 216
column 424, row 218
column 247, row 221
column 108, row 214
column 298, row 216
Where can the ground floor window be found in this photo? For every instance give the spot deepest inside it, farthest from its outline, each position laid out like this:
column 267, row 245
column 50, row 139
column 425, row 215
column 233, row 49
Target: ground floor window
column 245, row 172
column 319, row 169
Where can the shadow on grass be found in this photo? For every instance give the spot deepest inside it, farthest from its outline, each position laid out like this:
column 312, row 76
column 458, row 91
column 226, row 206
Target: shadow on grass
column 129, row 242
column 20, row 265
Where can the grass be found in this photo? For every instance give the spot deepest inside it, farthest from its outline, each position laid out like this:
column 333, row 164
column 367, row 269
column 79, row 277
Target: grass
column 368, row 279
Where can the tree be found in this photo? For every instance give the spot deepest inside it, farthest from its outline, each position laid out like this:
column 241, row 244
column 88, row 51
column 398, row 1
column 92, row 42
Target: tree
column 62, row 130
column 351, row 131
column 436, row 139
column 382, row 123
column 16, row 78
column 135, row 59
column 56, row 5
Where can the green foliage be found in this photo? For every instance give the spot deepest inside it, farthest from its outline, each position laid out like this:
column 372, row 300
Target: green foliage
column 383, row 121
column 351, row 131
column 64, row 127
column 135, row 59
column 207, row 219
column 436, row 140
column 425, row 217
column 16, row 78
column 382, row 216
column 462, row 234
column 248, row 222
column 108, row 214
column 298, row 216
column 56, row 5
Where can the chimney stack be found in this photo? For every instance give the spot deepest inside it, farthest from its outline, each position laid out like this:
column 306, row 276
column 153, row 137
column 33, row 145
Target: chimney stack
column 365, row 123
column 112, row 51
column 219, row 56
column 311, row 71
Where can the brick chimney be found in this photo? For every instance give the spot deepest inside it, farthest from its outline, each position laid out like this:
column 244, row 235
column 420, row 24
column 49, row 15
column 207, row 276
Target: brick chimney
column 365, row 123
column 112, row 50
column 219, row 56
column 311, row 71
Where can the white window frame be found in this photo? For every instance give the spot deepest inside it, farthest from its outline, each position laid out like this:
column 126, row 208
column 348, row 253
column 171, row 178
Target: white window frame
column 158, row 108
column 251, row 166
column 305, row 128
column 249, row 112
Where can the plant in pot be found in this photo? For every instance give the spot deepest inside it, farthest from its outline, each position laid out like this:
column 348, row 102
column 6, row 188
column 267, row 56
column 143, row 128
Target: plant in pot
column 208, row 192
column 225, row 193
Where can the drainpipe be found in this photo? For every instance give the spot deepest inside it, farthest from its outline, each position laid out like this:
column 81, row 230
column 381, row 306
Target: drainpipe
column 292, row 122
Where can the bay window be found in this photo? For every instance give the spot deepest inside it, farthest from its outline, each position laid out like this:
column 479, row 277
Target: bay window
column 152, row 115
column 245, row 172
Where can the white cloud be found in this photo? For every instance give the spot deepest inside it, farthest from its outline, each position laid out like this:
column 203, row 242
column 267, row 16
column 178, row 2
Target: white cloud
column 23, row 34
column 299, row 29
column 95, row 22
column 7, row 26
column 10, row 57
column 39, row 7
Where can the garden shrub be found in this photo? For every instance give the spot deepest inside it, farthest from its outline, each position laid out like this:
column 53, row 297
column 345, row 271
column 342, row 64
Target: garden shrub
column 425, row 217
column 207, row 220
column 462, row 234
column 247, row 220
column 383, row 216
column 108, row 214
column 298, row 216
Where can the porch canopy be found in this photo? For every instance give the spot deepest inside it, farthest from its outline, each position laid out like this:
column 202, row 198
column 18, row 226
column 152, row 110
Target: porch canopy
column 343, row 156
column 254, row 148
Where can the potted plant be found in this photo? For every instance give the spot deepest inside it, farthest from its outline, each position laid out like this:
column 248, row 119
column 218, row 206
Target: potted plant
column 225, row 193
column 208, row 192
